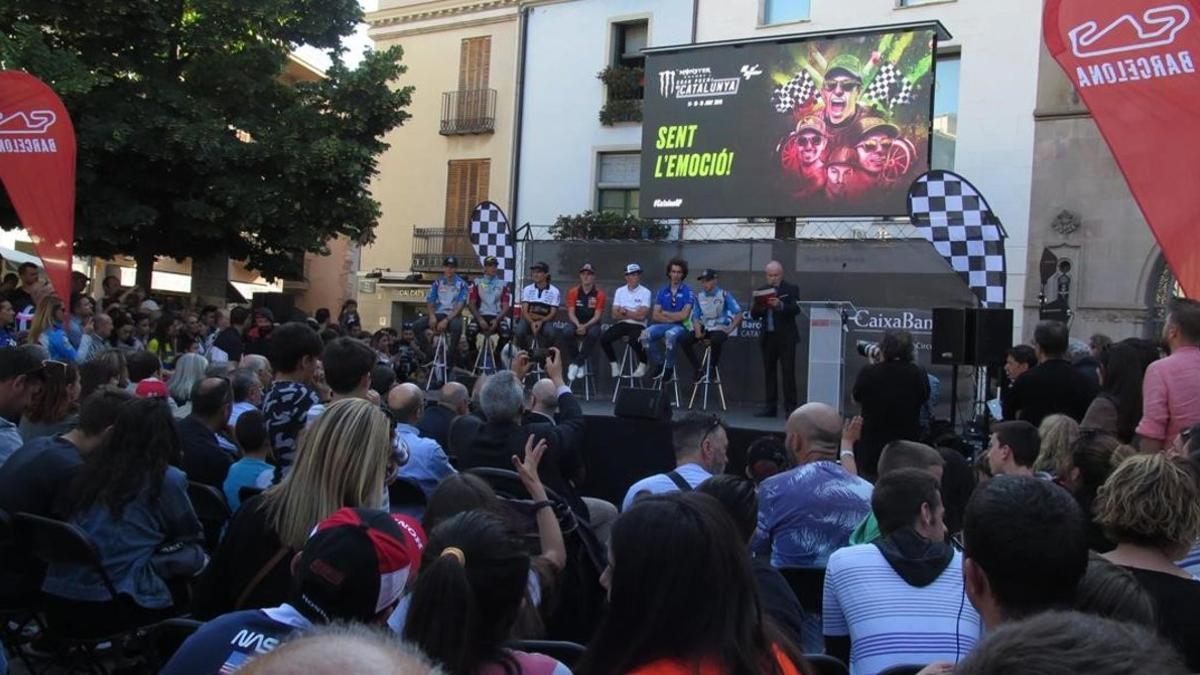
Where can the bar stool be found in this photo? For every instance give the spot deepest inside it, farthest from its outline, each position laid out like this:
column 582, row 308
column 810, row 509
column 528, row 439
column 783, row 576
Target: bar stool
column 589, row 381
column 437, row 368
column 626, row 371
column 711, row 377
column 658, row 383
column 485, row 360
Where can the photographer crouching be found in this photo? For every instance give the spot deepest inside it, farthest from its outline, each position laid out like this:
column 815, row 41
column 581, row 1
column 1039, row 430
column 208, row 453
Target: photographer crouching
column 890, row 393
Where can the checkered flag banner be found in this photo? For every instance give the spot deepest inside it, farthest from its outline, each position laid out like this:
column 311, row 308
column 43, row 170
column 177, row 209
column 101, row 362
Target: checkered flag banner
column 492, row 235
column 798, row 91
column 956, row 219
column 905, row 95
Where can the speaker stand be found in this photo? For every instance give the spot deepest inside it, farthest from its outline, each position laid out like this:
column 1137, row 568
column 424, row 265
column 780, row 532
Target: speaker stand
column 954, row 397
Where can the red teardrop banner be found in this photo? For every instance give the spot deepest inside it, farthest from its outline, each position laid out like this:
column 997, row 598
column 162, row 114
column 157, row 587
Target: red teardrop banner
column 37, row 167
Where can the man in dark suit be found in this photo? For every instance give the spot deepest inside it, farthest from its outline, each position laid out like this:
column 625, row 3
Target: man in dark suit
column 779, row 338
column 505, row 432
column 1054, row 385
column 452, row 402
column 204, row 460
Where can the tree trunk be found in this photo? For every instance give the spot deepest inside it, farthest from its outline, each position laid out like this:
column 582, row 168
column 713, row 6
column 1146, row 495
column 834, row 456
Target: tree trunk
column 145, row 269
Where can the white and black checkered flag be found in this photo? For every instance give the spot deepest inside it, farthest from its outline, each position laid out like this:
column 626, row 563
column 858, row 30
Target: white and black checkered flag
column 880, row 88
column 905, row 95
column 491, row 235
column 798, row 91
column 957, row 220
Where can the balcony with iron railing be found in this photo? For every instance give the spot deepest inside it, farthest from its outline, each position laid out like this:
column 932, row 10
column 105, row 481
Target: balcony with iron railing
column 470, row 111
column 432, row 245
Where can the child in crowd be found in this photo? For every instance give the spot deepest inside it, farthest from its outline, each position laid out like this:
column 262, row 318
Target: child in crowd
column 252, row 470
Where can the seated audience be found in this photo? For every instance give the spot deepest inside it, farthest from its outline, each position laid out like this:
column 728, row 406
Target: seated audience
column 1053, row 386
column 295, row 356
column 54, row 409
column 252, row 470
column 467, row 597
column 352, row 568
column 452, row 402
column 665, row 551
column 958, row 483
column 1093, row 458
column 1117, row 409
column 189, row 370
column 1013, row 449
column 1017, row 361
column 260, row 366
column 204, row 458
column 1065, row 643
column 701, row 444
column 247, row 393
column 341, row 649
column 808, row 512
column 900, row 599
column 738, row 496
column 1150, row 507
column 342, row 461
column 1056, row 435
column 766, row 457
column 1171, row 389
column 1024, row 550
column 348, row 363
column 895, row 456
column 22, row 372
column 383, row 378
column 427, row 464
column 1113, row 592
column 132, row 501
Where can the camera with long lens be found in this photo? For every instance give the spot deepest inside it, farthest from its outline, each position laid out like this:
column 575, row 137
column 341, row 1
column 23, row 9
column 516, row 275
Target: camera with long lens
column 868, row 349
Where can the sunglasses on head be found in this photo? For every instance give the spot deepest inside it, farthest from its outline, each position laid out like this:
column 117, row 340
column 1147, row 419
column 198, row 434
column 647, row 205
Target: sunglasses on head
column 714, row 423
column 48, row 368
column 843, row 85
column 872, row 146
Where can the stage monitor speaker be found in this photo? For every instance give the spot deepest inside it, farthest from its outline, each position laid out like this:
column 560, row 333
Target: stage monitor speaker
column 649, row 404
column 950, row 339
column 991, row 336
column 280, row 304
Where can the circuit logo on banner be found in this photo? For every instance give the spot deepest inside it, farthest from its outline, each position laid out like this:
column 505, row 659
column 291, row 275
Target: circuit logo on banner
column 1134, row 64
column 25, row 126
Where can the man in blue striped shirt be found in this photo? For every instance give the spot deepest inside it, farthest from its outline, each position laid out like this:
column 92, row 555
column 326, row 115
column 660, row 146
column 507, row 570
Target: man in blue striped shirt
column 899, row 600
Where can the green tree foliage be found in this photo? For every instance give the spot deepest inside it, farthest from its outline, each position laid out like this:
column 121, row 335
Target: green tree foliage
column 191, row 143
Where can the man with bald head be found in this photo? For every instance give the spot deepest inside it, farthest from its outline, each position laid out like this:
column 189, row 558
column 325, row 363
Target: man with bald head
column 204, row 458
column 778, row 339
column 453, row 400
column 807, row 513
column 427, row 463
column 543, row 406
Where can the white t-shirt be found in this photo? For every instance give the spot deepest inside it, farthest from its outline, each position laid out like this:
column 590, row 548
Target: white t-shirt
column 632, row 300
column 546, row 296
column 661, row 483
column 891, row 623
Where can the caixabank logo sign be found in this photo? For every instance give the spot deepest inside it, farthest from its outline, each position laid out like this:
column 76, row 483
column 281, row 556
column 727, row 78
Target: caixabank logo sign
column 24, row 132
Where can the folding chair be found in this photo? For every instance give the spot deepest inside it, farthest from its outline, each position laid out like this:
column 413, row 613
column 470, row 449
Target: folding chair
column 211, row 510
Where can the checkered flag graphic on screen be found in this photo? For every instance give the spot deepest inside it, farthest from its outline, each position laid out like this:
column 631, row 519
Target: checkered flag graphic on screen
column 957, row 220
column 881, row 86
column 798, row 91
column 492, row 236
column 905, row 95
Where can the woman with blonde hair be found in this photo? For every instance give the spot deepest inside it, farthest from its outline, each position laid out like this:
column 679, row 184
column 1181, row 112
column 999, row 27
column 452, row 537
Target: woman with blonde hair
column 47, row 330
column 342, row 460
column 1150, row 507
column 189, row 369
column 1058, row 434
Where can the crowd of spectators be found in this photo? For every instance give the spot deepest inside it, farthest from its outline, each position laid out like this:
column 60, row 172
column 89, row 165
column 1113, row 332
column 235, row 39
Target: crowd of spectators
column 372, row 526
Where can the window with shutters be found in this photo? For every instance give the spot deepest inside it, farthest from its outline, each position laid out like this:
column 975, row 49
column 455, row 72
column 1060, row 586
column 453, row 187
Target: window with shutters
column 466, row 185
column 471, row 107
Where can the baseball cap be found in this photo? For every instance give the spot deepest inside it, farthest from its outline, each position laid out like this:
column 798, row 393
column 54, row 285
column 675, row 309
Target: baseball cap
column 356, row 563
column 587, row 267
column 869, row 125
column 491, row 260
column 707, row 274
column 633, row 268
column 540, row 266
column 848, row 64
column 151, row 387
column 149, row 306
column 813, row 123
column 450, row 261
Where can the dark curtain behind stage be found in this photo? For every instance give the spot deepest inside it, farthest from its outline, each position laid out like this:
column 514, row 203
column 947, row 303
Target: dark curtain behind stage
column 893, row 283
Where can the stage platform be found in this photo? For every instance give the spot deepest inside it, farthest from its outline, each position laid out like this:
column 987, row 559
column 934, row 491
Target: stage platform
column 620, row 451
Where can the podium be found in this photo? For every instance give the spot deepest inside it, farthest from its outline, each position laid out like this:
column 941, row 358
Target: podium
column 826, row 350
